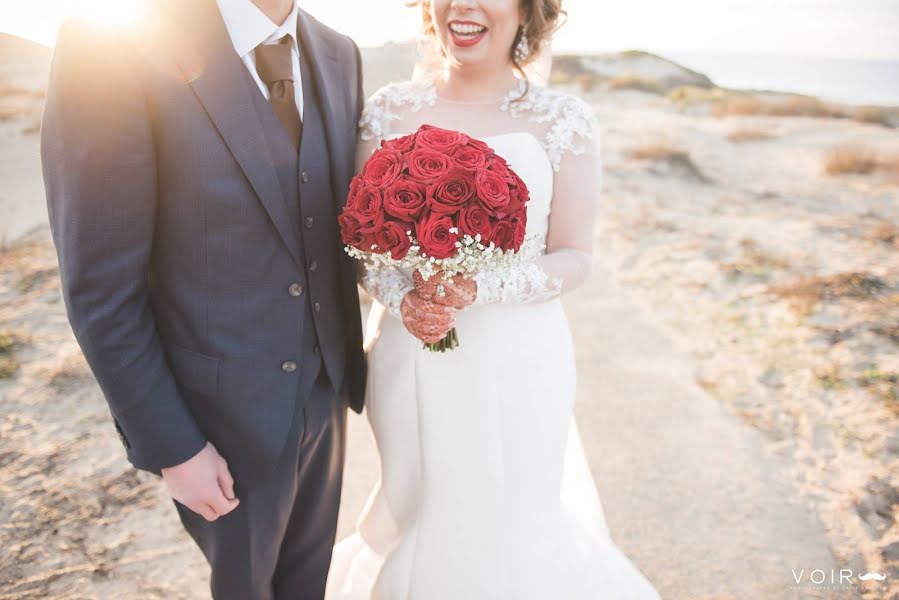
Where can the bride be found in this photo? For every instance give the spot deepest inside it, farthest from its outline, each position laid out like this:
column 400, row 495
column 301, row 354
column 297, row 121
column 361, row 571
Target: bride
column 485, row 493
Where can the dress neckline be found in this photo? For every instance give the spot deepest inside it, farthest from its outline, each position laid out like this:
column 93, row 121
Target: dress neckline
column 515, row 91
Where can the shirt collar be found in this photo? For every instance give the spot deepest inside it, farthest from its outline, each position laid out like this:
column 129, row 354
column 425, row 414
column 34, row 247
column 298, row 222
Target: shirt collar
column 248, row 26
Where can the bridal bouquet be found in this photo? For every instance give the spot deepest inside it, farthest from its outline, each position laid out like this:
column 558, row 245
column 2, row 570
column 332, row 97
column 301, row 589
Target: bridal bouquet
column 438, row 201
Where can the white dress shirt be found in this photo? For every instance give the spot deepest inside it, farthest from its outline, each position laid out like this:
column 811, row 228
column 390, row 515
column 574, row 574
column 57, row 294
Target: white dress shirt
column 248, row 27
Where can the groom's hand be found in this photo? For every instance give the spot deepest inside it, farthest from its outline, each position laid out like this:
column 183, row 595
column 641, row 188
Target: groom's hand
column 426, row 320
column 203, row 484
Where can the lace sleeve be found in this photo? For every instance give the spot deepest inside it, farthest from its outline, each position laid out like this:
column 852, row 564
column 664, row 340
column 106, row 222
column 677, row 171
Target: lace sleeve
column 373, row 124
column 568, row 258
column 387, row 285
column 568, row 120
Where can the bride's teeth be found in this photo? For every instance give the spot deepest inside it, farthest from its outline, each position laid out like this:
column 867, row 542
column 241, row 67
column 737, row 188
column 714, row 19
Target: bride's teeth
column 466, row 29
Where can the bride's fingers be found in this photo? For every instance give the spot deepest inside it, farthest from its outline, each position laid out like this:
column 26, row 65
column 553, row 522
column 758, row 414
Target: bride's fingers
column 427, row 306
column 425, row 289
column 429, row 325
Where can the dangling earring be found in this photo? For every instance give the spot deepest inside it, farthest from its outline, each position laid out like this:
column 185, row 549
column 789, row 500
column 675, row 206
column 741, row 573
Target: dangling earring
column 522, row 49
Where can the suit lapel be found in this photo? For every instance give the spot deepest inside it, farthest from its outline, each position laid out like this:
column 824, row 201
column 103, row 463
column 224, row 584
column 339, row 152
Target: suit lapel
column 217, row 75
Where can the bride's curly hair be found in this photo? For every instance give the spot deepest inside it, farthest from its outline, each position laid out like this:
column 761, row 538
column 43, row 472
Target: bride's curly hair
column 542, row 19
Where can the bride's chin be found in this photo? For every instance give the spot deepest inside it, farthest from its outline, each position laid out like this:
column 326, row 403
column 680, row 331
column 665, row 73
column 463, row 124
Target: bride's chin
column 465, row 59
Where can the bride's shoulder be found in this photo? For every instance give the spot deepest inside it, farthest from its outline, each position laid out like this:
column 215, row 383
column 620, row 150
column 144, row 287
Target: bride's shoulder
column 570, row 122
column 552, row 103
column 389, row 100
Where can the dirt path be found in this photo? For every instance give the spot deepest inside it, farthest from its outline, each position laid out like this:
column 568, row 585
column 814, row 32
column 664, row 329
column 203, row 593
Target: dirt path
column 687, row 489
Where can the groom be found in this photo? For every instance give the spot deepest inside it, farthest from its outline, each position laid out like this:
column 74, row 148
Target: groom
column 195, row 164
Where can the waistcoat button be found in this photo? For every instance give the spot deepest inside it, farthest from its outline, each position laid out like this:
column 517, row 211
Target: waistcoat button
column 288, row 366
column 295, row 289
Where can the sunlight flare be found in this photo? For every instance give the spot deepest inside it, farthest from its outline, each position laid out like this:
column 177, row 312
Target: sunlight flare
column 111, row 14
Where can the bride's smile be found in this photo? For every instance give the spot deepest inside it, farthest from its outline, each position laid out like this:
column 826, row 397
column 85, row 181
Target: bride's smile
column 466, row 33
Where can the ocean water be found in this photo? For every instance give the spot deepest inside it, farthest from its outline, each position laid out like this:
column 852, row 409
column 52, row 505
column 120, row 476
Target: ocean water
column 855, row 81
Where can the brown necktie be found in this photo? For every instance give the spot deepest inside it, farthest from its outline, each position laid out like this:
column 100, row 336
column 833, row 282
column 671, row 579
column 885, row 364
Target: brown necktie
column 274, row 64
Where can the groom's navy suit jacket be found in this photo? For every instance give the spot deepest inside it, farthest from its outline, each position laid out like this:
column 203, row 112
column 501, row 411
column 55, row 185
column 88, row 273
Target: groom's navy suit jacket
column 184, row 267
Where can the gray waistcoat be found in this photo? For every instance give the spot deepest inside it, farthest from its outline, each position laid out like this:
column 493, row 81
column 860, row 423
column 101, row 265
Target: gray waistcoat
column 306, row 183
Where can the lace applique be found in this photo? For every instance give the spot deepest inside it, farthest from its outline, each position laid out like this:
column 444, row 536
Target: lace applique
column 388, row 286
column 378, row 111
column 572, row 119
column 523, row 281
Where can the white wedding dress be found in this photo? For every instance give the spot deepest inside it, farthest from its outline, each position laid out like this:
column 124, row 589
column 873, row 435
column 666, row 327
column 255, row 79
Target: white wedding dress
column 485, row 493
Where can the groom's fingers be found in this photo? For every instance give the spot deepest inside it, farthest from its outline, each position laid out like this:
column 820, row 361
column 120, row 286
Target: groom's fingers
column 226, row 482
column 206, row 512
column 221, row 505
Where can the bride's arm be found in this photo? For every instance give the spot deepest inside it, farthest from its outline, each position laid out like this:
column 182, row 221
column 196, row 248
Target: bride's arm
column 387, row 286
column 570, row 238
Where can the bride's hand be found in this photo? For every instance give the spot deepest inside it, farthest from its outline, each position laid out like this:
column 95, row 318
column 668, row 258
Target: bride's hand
column 459, row 292
column 426, row 320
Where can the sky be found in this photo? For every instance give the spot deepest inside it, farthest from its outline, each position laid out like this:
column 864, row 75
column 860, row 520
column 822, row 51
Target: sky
column 865, row 29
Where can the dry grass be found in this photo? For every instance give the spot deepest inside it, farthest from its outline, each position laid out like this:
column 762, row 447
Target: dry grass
column 657, row 151
column 805, row 292
column 854, row 159
column 876, row 115
column 9, row 341
column 725, row 102
column 885, row 232
column 661, row 152
column 748, row 134
column 849, row 159
column 830, row 375
column 883, row 384
column 630, row 81
column 68, row 374
column 793, row 106
column 754, row 261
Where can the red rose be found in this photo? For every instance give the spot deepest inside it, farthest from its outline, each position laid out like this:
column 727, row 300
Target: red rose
column 498, row 165
column 383, row 168
column 479, row 145
column 519, row 194
column 351, row 231
column 450, row 192
column 519, row 228
column 404, row 199
column 351, row 198
column 367, row 204
column 401, row 144
column 492, row 192
column 470, row 158
column 503, row 235
column 440, row 140
column 474, row 220
column 427, row 165
column 392, row 237
column 434, row 235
